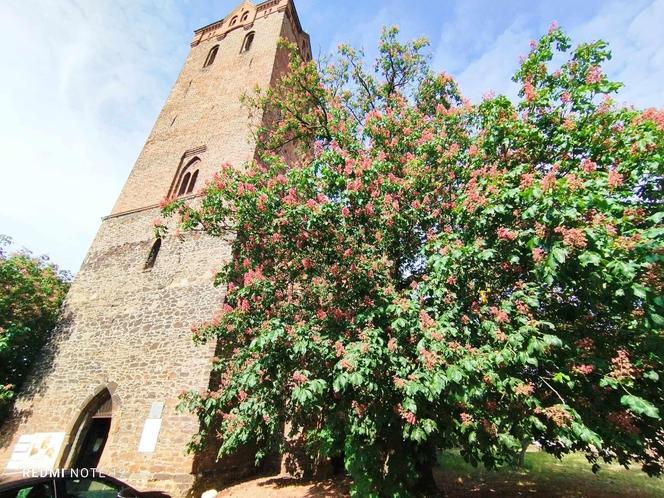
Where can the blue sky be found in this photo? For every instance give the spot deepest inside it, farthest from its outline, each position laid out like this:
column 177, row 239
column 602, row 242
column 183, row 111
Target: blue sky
column 83, row 81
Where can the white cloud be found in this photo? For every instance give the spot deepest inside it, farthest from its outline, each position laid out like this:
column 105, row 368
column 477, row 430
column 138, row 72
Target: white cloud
column 634, row 33
column 492, row 70
column 633, row 30
column 81, row 87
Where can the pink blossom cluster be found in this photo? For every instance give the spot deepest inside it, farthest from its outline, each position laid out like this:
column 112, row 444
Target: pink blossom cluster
column 408, row 416
column 588, row 165
column 572, row 237
column 594, row 75
column 557, row 414
column 621, row 366
column 466, row 418
column 655, row 115
column 360, row 408
column 299, row 378
column 583, row 369
column 339, row 349
column 529, row 91
column 538, row 254
column 615, row 179
column 499, row 315
column 429, row 357
column 574, row 182
column 524, row 389
column 506, row 234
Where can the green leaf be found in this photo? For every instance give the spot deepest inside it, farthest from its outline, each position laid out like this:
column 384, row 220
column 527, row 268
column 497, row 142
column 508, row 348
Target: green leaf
column 657, row 319
column 608, row 382
column 356, row 379
column 301, row 394
column 561, row 377
column 657, row 217
column 317, row 386
column 472, row 437
column 454, row 374
column 559, row 254
column 537, row 423
column 589, row 258
column 586, row 434
column 640, row 406
column 487, row 254
column 552, row 340
column 418, row 435
column 652, row 375
column 639, row 291
column 340, row 383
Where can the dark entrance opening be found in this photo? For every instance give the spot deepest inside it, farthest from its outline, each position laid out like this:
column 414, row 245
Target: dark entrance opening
column 93, row 444
column 91, row 435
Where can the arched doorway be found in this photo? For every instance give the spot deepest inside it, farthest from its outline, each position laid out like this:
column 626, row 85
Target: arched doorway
column 90, row 432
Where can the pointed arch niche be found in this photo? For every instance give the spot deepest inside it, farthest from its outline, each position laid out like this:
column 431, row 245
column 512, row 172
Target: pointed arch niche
column 90, row 432
column 185, row 178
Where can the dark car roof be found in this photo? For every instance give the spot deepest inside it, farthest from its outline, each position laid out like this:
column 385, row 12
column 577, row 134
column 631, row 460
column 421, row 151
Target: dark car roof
column 12, row 481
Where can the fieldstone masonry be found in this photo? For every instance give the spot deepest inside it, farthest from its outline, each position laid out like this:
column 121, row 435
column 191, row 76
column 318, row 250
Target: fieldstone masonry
column 126, row 329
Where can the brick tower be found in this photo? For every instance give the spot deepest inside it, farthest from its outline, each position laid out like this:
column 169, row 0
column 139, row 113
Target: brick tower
column 105, row 392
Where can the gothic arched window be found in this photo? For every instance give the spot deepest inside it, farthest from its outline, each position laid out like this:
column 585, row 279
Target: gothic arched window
column 187, row 178
column 233, row 21
column 245, row 16
column 248, row 40
column 211, row 56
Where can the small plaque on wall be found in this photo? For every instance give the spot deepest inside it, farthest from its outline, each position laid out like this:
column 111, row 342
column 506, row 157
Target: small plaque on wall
column 156, row 409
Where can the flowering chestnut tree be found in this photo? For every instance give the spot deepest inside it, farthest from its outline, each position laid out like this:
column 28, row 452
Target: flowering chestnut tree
column 414, row 272
column 31, row 291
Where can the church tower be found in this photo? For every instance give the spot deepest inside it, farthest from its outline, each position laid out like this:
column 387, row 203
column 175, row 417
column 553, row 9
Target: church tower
column 105, row 392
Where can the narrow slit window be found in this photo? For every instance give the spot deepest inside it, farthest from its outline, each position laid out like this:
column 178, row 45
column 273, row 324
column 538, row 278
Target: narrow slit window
column 184, row 183
column 192, row 182
column 212, row 54
column 245, row 16
column 248, row 41
column 233, row 21
column 152, row 255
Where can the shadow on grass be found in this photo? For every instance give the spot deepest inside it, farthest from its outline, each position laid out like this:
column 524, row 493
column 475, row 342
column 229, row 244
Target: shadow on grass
column 544, row 475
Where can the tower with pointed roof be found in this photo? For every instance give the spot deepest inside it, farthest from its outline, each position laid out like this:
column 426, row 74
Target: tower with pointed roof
column 106, row 390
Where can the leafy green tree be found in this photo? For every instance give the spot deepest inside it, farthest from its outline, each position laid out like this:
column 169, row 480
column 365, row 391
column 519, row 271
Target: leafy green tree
column 414, row 272
column 31, row 291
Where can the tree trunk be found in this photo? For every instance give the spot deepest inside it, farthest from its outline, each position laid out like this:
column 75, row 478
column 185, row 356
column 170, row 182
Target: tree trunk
column 522, row 455
column 426, row 484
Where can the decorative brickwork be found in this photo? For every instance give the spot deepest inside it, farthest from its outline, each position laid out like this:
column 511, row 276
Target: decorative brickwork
column 126, row 326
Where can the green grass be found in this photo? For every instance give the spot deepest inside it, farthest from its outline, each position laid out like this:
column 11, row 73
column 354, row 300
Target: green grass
column 544, row 475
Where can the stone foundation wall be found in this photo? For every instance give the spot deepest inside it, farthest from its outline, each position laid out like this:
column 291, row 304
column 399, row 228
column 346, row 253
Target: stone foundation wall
column 129, row 330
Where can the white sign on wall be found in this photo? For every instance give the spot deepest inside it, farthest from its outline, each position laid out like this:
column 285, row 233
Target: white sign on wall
column 37, row 451
column 149, row 436
column 151, row 428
